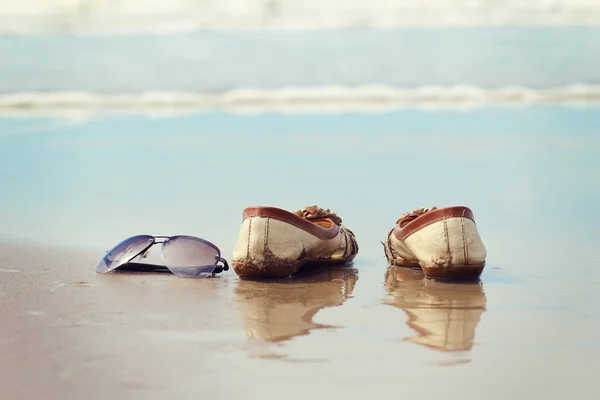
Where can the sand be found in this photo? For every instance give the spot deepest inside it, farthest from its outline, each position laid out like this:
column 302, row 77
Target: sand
column 69, row 333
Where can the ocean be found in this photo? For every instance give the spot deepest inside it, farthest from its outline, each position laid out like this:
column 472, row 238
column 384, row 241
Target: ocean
column 65, row 55
column 323, row 70
column 152, row 16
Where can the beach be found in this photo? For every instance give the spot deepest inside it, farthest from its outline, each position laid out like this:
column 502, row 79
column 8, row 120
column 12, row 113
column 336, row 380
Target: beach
column 73, row 334
column 73, row 188
column 145, row 117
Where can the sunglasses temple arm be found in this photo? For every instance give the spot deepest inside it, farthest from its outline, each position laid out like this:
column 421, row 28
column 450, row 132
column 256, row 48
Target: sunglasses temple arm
column 220, row 268
column 143, row 267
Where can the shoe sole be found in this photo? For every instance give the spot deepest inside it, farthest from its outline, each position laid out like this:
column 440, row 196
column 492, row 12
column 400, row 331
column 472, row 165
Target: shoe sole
column 453, row 271
column 400, row 262
column 277, row 268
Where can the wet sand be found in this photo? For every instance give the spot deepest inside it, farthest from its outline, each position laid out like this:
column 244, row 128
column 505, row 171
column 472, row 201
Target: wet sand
column 71, row 189
column 349, row 331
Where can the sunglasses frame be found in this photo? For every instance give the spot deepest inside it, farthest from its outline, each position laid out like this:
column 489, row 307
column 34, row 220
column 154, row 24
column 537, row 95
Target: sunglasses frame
column 162, row 239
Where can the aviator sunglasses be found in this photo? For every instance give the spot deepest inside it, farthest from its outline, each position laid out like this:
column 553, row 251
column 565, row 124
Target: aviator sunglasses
column 185, row 256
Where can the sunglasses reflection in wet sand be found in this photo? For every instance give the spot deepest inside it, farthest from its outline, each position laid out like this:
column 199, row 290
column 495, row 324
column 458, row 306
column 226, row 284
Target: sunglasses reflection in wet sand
column 279, row 310
column 185, row 256
column 443, row 314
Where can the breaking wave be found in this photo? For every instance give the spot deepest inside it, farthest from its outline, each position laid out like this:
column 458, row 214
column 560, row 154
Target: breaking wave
column 158, row 16
column 317, row 99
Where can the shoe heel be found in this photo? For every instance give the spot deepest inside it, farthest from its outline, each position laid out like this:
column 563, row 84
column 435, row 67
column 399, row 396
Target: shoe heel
column 450, row 249
column 271, row 267
column 255, row 255
column 453, row 271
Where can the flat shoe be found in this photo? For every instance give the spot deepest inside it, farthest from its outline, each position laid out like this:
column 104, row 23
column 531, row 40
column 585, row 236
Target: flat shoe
column 275, row 243
column 443, row 242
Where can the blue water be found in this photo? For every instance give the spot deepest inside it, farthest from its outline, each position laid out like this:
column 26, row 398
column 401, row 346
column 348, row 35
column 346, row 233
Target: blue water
column 213, row 62
column 87, row 183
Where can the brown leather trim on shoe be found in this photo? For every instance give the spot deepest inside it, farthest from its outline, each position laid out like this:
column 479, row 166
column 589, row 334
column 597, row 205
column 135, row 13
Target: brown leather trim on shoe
column 291, row 218
column 431, row 217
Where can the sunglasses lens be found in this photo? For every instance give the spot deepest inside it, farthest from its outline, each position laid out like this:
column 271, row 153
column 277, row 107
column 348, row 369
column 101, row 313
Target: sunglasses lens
column 187, row 256
column 123, row 252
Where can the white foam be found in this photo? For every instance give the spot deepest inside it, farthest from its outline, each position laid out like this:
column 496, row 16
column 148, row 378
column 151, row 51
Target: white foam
column 81, row 105
column 158, row 16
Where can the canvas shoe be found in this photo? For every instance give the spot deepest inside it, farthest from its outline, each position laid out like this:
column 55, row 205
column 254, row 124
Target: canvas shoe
column 276, row 243
column 443, row 242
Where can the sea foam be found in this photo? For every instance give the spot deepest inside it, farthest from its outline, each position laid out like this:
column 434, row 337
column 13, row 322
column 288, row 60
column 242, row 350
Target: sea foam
column 291, row 99
column 157, row 16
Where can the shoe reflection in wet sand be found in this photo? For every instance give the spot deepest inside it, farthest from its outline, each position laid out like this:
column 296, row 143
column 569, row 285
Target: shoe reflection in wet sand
column 277, row 310
column 443, row 314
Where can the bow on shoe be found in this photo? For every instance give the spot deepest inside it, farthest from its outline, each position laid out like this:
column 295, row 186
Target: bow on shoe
column 411, row 216
column 314, row 212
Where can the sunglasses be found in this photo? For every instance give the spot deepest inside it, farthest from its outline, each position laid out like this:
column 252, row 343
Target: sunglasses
column 185, row 256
